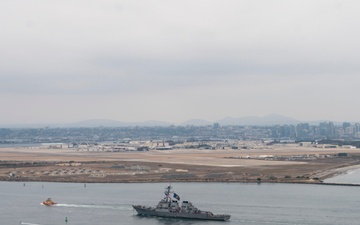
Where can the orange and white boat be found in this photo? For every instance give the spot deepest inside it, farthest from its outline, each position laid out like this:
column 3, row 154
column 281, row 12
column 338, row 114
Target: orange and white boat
column 49, row 202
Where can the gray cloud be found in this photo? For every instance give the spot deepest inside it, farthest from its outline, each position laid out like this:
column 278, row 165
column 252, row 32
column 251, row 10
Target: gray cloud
column 246, row 51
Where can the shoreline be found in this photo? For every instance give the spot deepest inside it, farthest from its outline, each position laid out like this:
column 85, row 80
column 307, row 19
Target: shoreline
column 228, row 166
column 316, row 178
column 341, row 170
column 142, row 182
column 325, row 174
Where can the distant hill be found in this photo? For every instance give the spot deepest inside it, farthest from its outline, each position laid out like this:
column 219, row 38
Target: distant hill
column 196, row 122
column 268, row 120
column 272, row 119
column 97, row 123
column 115, row 123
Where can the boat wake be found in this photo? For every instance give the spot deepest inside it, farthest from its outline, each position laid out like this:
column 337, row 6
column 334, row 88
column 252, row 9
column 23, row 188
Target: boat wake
column 262, row 222
column 29, row 223
column 123, row 207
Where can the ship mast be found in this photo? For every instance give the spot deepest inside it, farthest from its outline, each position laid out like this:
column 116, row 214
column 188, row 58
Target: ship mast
column 167, row 193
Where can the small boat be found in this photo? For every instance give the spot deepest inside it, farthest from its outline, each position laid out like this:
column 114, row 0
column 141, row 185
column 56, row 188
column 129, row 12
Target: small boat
column 49, row 202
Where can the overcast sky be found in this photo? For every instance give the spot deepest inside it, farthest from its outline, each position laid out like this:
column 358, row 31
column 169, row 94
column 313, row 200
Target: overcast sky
column 65, row 61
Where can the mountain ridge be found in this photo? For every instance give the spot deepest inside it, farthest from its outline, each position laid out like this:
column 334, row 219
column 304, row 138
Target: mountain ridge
column 267, row 120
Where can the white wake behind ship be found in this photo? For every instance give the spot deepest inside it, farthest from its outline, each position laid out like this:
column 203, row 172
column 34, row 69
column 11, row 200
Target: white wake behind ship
column 170, row 207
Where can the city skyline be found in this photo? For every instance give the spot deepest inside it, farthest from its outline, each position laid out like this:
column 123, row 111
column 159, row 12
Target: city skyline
column 323, row 131
column 132, row 61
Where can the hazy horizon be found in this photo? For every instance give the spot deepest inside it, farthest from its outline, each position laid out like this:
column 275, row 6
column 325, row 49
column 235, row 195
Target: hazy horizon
column 69, row 61
column 268, row 120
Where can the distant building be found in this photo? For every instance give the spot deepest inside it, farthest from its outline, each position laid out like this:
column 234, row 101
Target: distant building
column 345, row 125
column 216, row 125
column 349, row 146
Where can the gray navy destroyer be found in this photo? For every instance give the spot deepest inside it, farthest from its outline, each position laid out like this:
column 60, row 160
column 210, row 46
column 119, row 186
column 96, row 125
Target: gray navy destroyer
column 170, row 207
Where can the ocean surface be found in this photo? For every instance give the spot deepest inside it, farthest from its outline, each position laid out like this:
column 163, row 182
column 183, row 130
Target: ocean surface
column 109, row 204
column 350, row 177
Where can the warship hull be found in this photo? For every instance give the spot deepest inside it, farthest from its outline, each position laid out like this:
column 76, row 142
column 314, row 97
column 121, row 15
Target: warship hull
column 152, row 211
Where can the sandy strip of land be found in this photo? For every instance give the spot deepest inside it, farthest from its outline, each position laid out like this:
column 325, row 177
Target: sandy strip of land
column 176, row 165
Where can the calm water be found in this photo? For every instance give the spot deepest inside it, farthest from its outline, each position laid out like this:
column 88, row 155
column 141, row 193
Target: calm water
column 111, row 203
column 351, row 177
